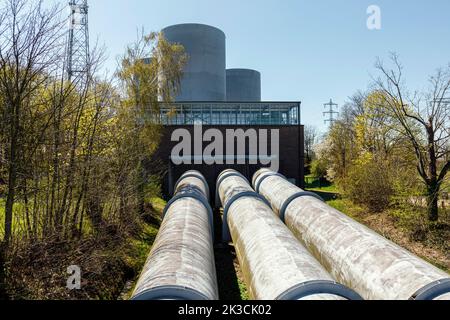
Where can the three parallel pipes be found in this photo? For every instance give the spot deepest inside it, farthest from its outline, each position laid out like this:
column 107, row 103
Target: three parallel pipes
column 274, row 264
column 297, row 260
column 355, row 256
column 181, row 264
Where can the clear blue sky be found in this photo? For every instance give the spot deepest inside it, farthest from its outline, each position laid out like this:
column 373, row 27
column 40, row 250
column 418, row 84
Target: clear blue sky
column 306, row 50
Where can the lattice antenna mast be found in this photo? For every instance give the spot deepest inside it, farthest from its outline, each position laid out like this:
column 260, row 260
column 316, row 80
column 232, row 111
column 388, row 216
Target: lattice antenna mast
column 78, row 42
column 331, row 114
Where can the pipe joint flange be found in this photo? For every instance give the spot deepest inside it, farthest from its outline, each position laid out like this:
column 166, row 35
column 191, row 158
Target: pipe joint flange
column 193, row 175
column 226, row 236
column 294, row 197
column 221, row 178
column 264, row 177
column 193, row 193
column 310, row 288
column 170, row 293
column 432, row 291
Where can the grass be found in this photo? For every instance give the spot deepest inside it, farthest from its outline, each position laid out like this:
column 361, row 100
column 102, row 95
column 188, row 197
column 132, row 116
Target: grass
column 158, row 203
column 348, row 207
column 327, row 191
column 111, row 262
column 314, row 184
column 140, row 248
column 136, row 257
column 243, row 291
column 19, row 223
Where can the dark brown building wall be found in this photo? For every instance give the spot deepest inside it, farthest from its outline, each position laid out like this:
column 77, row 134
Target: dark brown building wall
column 291, row 156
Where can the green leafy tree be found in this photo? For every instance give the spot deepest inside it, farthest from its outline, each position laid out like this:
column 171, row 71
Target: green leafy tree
column 424, row 120
column 150, row 74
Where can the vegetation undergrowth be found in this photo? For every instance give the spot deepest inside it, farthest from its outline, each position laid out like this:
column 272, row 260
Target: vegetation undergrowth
column 38, row 271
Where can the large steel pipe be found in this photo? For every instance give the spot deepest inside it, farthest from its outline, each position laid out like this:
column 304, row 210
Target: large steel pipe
column 181, row 264
column 274, row 264
column 354, row 255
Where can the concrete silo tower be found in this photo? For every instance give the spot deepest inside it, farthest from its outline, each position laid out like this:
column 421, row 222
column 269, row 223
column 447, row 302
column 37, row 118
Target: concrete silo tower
column 205, row 74
column 243, row 85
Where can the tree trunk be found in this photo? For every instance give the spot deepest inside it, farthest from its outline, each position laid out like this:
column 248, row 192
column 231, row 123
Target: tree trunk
column 94, row 205
column 9, row 206
column 94, row 211
column 433, row 185
column 141, row 189
column 12, row 179
column 3, row 293
column 432, row 203
column 67, row 194
column 27, row 208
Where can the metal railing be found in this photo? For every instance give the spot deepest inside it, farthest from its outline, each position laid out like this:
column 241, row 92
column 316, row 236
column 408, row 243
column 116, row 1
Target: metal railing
column 231, row 113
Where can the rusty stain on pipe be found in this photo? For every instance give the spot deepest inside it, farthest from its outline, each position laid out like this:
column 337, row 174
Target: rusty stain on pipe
column 354, row 255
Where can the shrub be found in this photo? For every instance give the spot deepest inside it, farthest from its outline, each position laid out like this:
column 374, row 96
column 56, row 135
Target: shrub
column 319, row 169
column 368, row 183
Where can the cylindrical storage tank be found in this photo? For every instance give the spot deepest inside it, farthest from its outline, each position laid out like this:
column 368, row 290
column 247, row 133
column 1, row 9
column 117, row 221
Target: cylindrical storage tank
column 355, row 255
column 274, row 264
column 243, row 85
column 181, row 265
column 204, row 76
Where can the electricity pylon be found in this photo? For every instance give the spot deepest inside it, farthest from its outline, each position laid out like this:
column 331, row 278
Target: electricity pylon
column 331, row 113
column 78, row 42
